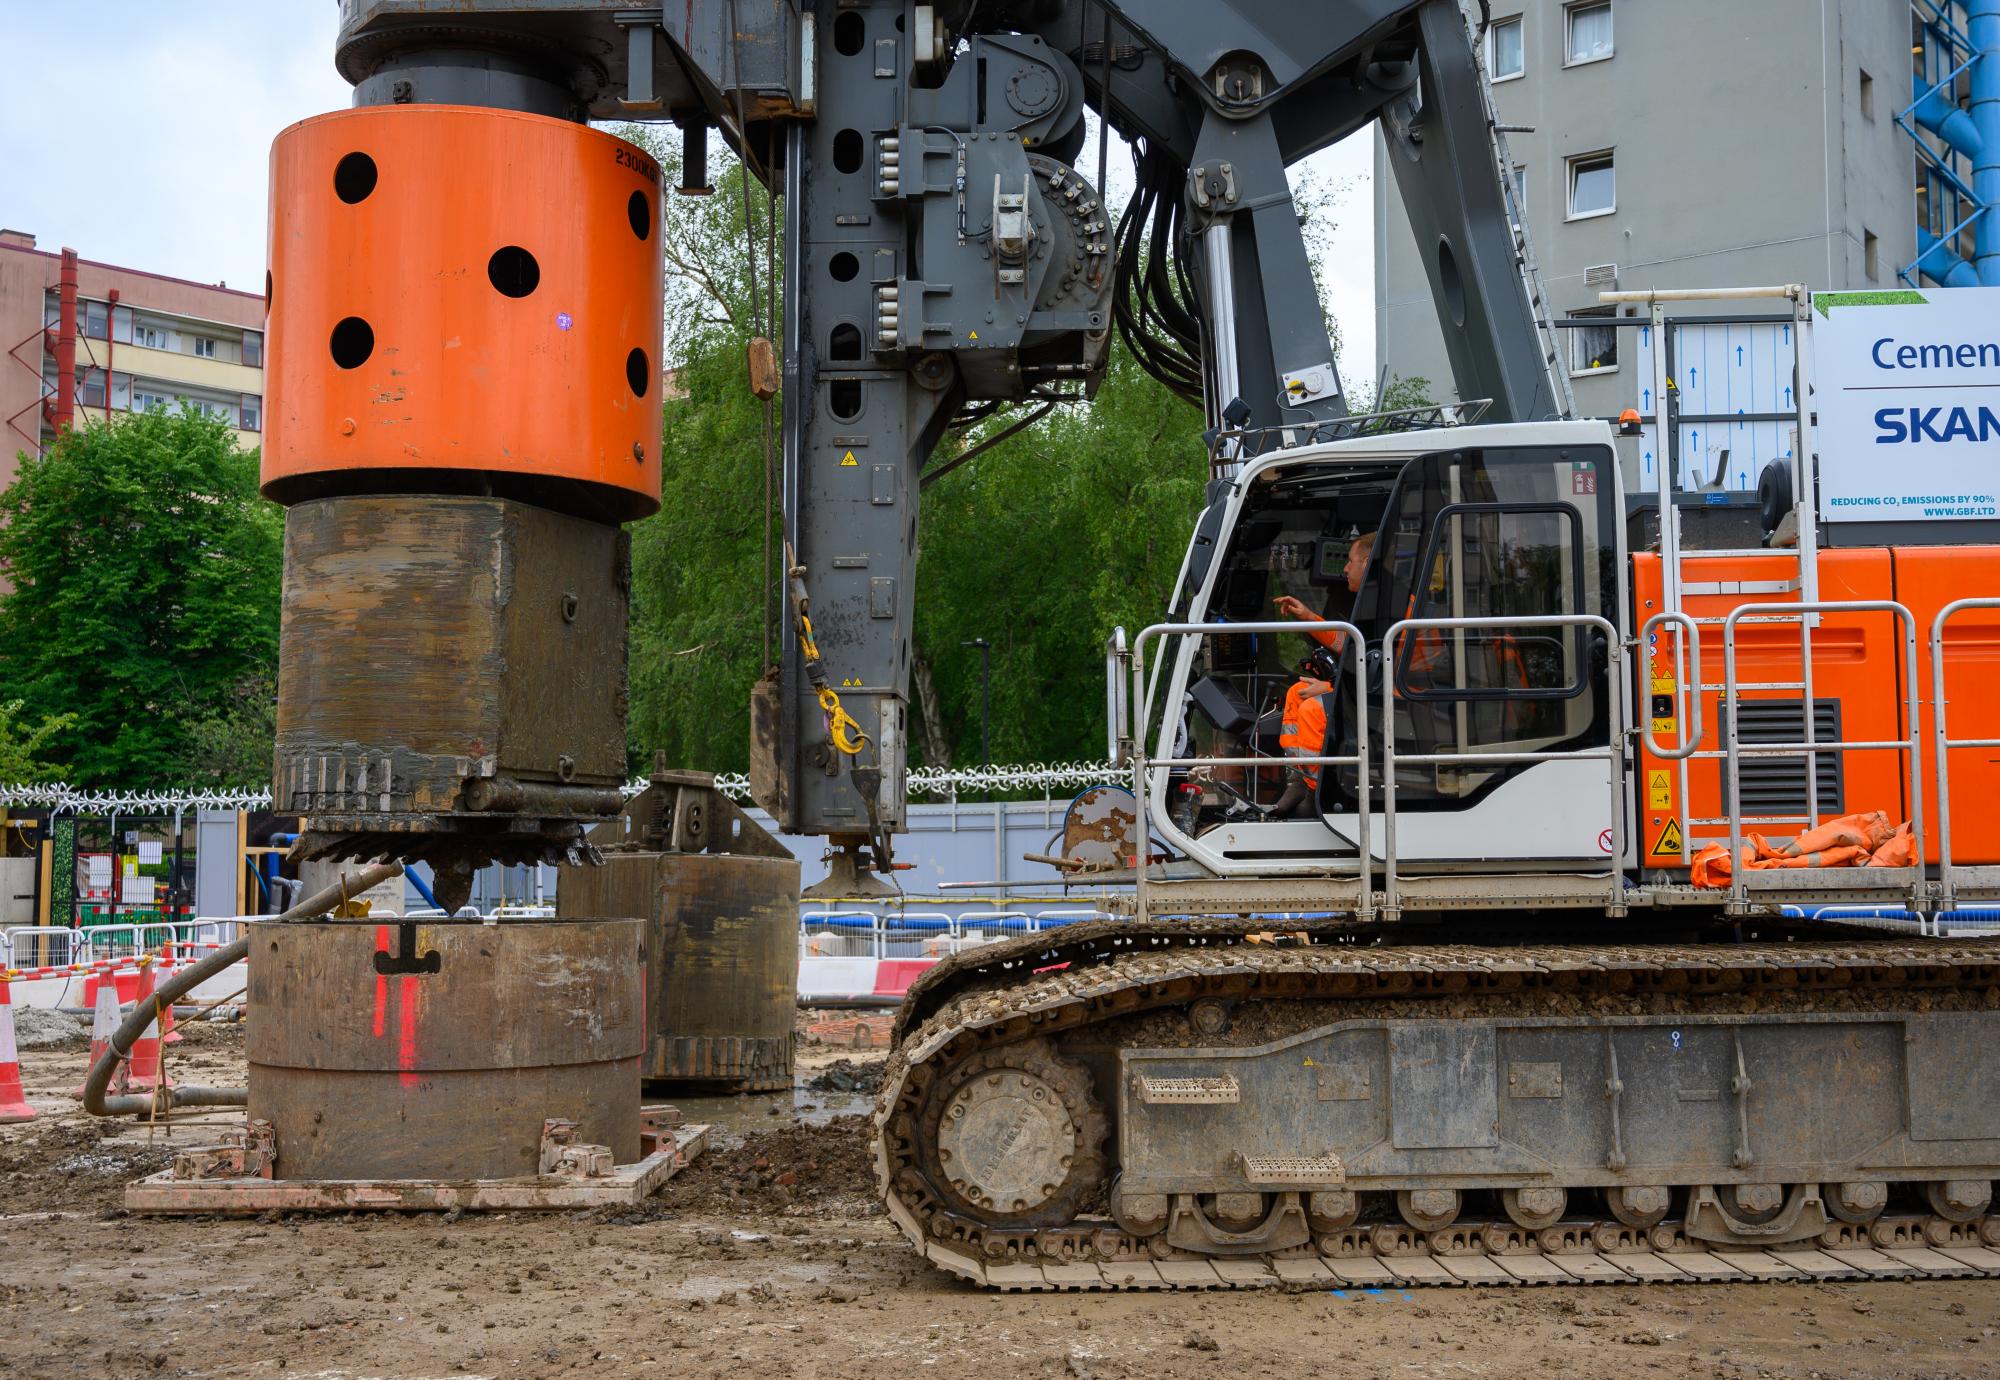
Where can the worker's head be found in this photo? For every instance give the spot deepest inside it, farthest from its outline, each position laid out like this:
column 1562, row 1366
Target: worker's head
column 1357, row 560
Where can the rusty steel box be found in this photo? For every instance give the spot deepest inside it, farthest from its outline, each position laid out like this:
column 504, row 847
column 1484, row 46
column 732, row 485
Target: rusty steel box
column 444, row 657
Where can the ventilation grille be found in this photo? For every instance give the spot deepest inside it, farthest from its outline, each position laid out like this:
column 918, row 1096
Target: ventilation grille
column 1601, row 275
column 1777, row 785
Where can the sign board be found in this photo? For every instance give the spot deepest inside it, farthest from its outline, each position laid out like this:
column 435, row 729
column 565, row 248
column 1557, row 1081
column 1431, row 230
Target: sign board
column 1736, row 376
column 98, row 867
column 1909, row 404
column 149, row 851
column 136, row 891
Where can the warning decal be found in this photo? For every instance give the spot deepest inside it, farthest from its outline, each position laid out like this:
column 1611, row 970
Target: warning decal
column 1659, row 790
column 848, row 460
column 1669, row 844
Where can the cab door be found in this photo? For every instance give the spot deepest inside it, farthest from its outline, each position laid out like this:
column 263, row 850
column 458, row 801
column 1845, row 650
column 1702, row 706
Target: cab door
column 1492, row 532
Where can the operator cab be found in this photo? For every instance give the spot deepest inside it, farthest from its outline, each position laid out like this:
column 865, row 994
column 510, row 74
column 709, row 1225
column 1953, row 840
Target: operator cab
column 1482, row 523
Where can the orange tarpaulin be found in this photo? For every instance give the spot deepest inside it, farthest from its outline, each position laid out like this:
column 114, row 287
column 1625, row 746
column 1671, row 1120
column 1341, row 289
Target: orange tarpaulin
column 1858, row 840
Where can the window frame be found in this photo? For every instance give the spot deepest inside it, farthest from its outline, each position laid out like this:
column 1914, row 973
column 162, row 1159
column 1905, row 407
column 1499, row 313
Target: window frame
column 1493, row 74
column 1575, row 164
column 1571, row 515
column 1610, row 314
column 1570, row 12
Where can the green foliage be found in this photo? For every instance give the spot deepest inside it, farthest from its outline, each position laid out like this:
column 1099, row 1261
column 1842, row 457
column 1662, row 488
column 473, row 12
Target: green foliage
column 232, row 744
column 1042, row 545
column 145, row 575
column 22, row 746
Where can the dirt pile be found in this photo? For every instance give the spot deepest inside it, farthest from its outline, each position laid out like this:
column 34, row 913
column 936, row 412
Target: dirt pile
column 849, row 1076
column 817, row 1171
column 39, row 1027
column 68, row 1165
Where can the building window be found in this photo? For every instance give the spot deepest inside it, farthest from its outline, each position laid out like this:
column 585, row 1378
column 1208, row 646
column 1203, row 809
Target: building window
column 152, row 337
column 204, row 347
column 253, row 349
column 1867, row 95
column 1593, row 189
column 253, row 412
column 1871, row 262
column 1506, row 57
column 1520, row 181
column 90, row 387
column 1588, row 31
column 1593, row 349
column 143, row 400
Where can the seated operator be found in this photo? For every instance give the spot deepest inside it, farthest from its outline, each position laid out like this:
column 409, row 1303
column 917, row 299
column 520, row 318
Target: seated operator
column 1356, row 567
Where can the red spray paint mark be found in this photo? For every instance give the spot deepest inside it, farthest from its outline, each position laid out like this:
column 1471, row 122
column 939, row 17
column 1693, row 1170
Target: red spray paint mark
column 406, row 1032
column 381, row 980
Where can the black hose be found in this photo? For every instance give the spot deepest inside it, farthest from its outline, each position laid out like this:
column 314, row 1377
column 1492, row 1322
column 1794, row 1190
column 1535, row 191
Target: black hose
column 164, row 1099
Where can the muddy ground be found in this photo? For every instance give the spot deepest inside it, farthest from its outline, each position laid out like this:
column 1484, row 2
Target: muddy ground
column 769, row 1258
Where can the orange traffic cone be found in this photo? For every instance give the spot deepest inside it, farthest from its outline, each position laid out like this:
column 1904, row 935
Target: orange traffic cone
column 13, row 1099
column 103, row 1025
column 143, row 1069
column 168, row 1035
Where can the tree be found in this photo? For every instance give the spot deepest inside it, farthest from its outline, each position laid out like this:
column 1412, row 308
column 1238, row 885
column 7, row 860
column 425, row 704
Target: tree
column 145, row 576
column 21, row 747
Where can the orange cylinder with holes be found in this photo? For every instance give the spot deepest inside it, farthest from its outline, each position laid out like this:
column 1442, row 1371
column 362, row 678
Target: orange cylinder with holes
column 456, row 289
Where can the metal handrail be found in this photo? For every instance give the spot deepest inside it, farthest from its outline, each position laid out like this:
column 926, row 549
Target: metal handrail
column 1613, row 751
column 1117, row 707
column 1734, row 751
column 1690, row 739
column 1943, row 743
column 1140, row 765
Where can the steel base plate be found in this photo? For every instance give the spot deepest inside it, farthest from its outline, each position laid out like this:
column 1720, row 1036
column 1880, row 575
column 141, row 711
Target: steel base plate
column 625, row 1185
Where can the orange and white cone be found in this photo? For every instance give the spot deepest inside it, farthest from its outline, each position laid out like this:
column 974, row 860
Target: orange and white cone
column 13, row 1099
column 168, row 1035
column 103, row 1025
column 143, row 1069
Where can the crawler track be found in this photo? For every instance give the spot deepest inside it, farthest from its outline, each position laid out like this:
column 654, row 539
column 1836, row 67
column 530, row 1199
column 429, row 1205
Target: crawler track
column 1120, row 985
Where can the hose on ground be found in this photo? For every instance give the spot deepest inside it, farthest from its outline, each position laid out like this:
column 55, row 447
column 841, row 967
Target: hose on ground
column 185, row 980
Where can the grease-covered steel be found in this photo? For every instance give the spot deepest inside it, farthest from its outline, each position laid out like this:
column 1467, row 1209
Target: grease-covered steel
column 722, row 986
column 452, row 677
column 438, row 1049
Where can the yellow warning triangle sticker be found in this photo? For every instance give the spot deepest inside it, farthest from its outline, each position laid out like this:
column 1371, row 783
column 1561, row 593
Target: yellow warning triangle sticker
column 1669, row 845
column 972, row 335
column 848, row 459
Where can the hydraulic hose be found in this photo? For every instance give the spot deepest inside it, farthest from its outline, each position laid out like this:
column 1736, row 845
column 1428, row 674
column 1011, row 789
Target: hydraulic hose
column 164, row 1099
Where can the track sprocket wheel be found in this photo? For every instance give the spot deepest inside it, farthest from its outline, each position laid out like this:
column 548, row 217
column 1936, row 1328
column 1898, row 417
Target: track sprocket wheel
column 1014, row 1137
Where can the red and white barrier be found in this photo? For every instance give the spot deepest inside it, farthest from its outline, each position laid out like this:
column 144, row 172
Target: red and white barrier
column 103, row 1025
column 143, row 1069
column 13, row 1098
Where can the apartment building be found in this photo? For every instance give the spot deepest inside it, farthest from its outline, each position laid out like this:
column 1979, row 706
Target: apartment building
column 141, row 340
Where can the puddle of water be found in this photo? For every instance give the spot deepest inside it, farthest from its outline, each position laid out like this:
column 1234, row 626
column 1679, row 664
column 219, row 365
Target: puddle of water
column 802, row 1106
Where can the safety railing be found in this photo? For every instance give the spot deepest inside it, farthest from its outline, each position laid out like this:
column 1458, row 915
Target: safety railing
column 921, row 934
column 1943, row 743
column 45, row 946
column 1143, row 766
column 1734, row 750
column 1612, row 752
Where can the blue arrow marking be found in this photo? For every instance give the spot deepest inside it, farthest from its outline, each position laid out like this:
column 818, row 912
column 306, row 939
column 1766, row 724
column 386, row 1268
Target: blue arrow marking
column 1739, row 425
column 1645, row 335
column 1788, row 332
column 1743, row 478
column 1649, row 462
column 1739, row 355
column 1788, row 395
column 1646, row 398
column 1692, row 378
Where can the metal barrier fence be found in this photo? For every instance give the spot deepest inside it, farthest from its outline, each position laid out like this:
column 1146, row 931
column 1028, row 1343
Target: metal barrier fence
column 921, row 934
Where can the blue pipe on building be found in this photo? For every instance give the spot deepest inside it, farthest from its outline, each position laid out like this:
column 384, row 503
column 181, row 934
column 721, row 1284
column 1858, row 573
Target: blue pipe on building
column 1933, row 258
column 1983, row 30
column 1940, row 115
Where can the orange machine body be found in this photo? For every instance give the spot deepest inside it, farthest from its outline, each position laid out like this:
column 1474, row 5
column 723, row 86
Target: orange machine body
column 457, row 289
column 1858, row 662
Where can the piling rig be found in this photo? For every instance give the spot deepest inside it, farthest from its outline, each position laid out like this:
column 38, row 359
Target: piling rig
column 1497, row 1017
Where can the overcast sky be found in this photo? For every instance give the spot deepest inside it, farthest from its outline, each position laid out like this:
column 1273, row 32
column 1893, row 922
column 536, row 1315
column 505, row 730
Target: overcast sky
column 139, row 132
